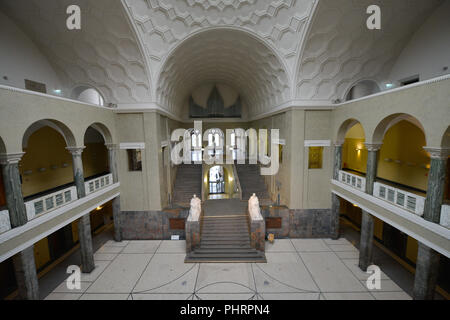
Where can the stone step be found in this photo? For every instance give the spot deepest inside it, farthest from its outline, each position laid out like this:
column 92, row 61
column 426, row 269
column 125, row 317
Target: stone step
column 221, row 257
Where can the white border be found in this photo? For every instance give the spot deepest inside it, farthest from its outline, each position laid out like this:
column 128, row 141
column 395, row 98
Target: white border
column 317, row 143
column 132, row 145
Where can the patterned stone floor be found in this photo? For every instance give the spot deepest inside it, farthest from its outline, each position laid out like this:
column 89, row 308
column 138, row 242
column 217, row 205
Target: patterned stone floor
column 299, row 269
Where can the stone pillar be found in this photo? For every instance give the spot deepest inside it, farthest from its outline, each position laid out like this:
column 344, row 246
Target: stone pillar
column 84, row 224
column 427, row 267
column 116, row 218
column 372, row 165
column 13, row 189
column 335, row 210
column 366, row 240
column 337, row 162
column 112, row 161
column 427, row 264
column 26, row 277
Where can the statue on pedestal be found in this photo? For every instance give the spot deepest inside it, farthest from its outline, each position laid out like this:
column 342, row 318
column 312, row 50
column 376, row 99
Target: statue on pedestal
column 254, row 209
column 196, row 209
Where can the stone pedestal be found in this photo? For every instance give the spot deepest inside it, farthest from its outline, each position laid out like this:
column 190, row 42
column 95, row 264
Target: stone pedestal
column 26, row 276
column 117, row 219
column 13, row 189
column 427, row 267
column 84, row 224
column 334, row 221
column 366, row 242
column 258, row 235
column 192, row 229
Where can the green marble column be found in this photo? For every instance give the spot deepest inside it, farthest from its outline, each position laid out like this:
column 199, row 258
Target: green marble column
column 335, row 210
column 427, row 264
column 84, row 224
column 372, row 165
column 367, row 224
column 26, row 276
column 13, row 189
column 116, row 218
column 337, row 161
column 112, row 161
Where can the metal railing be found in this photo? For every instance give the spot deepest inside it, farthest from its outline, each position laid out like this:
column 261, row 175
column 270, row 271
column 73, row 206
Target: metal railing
column 407, row 200
column 353, row 180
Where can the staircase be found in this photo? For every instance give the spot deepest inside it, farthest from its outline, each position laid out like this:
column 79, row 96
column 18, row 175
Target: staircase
column 225, row 235
column 252, row 182
column 187, row 183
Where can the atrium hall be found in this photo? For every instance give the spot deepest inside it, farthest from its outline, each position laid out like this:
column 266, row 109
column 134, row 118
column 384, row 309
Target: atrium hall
column 224, row 149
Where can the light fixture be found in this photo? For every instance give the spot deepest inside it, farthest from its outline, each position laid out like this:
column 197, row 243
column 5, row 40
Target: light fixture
column 230, row 179
column 206, row 179
column 389, row 85
column 57, row 91
column 98, row 208
column 355, row 205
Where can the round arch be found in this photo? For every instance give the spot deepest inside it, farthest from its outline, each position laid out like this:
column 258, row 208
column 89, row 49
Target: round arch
column 361, row 88
column 391, row 120
column 103, row 130
column 88, row 94
column 445, row 142
column 344, row 127
column 231, row 56
column 60, row 127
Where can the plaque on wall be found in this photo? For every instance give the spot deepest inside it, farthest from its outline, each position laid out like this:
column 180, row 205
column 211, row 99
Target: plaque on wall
column 35, row 86
column 176, row 223
column 273, row 223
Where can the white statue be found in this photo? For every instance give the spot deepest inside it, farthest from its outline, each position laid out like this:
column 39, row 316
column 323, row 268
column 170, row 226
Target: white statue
column 196, row 209
column 254, row 209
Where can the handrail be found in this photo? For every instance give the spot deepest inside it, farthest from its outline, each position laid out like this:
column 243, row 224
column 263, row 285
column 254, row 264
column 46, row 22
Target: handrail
column 5, row 223
column 353, row 180
column 237, row 182
column 407, row 200
column 445, row 216
column 98, row 183
column 50, row 202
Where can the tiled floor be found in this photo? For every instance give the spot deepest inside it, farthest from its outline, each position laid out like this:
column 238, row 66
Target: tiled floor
column 299, row 269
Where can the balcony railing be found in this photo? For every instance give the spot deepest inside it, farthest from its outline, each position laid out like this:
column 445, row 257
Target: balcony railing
column 50, row 202
column 445, row 215
column 98, row 183
column 5, row 224
column 407, row 200
column 353, row 180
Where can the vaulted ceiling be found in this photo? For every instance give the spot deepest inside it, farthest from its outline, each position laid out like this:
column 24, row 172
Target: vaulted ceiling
column 274, row 52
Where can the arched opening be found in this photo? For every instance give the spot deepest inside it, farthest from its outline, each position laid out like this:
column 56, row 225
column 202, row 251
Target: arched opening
column 88, row 94
column 361, row 89
column 215, row 141
column 216, row 179
column 354, row 153
column 402, row 159
column 95, row 154
column 195, row 141
column 46, row 165
column 234, row 58
column 3, row 213
column 446, row 145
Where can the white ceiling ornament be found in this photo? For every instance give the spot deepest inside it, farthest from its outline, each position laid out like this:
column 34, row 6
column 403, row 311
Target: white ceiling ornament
column 103, row 54
column 339, row 50
column 229, row 56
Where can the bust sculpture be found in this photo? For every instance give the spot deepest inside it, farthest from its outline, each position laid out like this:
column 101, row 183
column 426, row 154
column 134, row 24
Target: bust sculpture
column 196, row 209
column 253, row 208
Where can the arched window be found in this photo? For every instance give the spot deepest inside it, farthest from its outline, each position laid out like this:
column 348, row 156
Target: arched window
column 89, row 95
column 362, row 89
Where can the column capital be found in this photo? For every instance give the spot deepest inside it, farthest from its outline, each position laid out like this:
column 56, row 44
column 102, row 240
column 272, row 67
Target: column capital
column 10, row 158
column 437, row 153
column 75, row 150
column 112, row 146
column 373, row 146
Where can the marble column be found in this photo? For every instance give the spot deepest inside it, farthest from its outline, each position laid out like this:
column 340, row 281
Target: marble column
column 337, row 162
column 366, row 241
column 427, row 267
column 367, row 224
column 372, row 165
column 84, row 224
column 335, row 210
column 13, row 189
column 26, row 276
column 116, row 218
column 112, row 161
column 427, row 264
